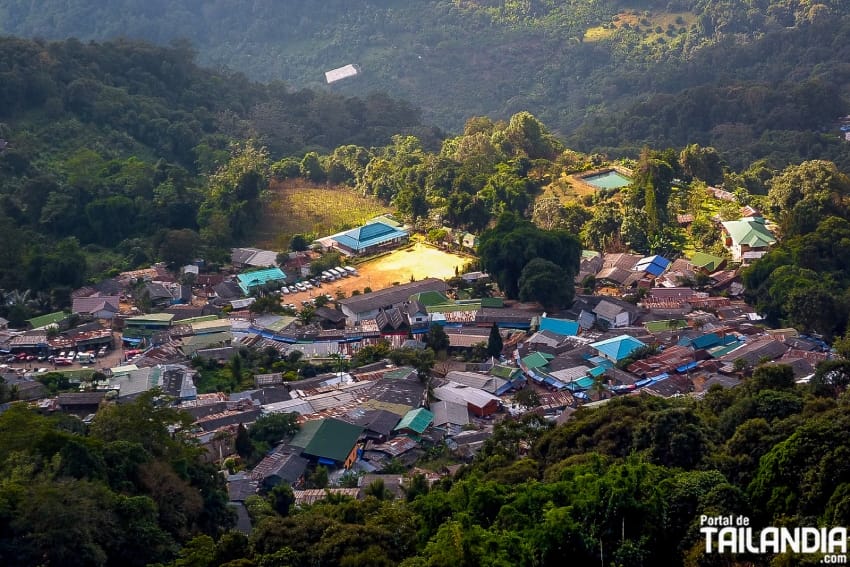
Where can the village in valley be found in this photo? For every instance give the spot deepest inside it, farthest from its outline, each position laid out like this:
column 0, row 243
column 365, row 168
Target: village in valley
column 383, row 370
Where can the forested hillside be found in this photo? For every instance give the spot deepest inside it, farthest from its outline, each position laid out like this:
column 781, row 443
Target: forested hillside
column 752, row 78
column 117, row 154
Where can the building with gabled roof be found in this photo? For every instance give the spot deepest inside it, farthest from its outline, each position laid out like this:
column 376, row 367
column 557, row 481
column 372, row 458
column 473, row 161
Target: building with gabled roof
column 612, row 313
column 479, row 402
column 250, row 280
column 748, row 239
column 708, row 263
column 450, row 413
column 415, row 422
column 330, row 441
column 242, row 258
column 368, row 238
column 97, row 306
column 654, row 265
column 367, row 305
column 617, row 348
column 280, row 467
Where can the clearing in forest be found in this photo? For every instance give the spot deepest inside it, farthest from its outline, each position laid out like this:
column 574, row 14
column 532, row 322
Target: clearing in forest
column 299, row 207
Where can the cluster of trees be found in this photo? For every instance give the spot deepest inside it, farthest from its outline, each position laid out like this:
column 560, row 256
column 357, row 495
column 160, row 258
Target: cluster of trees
column 125, row 490
column 803, row 281
column 492, row 167
column 529, row 263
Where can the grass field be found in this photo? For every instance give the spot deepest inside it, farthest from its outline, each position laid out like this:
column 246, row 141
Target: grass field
column 297, row 207
column 646, row 24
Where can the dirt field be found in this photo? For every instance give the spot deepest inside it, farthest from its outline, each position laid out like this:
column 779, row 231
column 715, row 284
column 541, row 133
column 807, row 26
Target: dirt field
column 421, row 261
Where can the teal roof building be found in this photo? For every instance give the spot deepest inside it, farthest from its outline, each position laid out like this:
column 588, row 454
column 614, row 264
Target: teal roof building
column 617, row 348
column 250, row 280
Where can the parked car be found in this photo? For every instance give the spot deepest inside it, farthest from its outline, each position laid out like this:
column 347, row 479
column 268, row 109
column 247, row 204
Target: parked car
column 284, row 290
column 62, row 362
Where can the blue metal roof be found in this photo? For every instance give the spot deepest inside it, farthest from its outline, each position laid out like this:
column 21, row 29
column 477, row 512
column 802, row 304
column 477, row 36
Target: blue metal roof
column 618, row 348
column 559, row 326
column 655, row 265
column 373, row 234
column 706, row 341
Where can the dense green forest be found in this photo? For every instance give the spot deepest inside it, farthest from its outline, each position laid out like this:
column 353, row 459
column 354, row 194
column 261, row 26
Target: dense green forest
column 118, row 154
column 753, row 78
column 628, row 481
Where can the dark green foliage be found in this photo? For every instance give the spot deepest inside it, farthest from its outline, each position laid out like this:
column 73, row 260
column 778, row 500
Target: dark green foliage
column 271, row 429
column 506, row 249
column 803, row 280
column 494, row 342
column 750, row 79
column 436, row 338
column 547, row 283
column 127, row 492
column 110, row 147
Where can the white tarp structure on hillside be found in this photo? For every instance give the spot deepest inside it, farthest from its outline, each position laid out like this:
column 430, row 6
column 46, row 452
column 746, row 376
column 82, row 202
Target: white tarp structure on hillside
column 335, row 75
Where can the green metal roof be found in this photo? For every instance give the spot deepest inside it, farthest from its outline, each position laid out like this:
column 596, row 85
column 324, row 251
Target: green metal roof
column 327, row 438
column 201, row 319
column 535, row 360
column 416, row 420
column 503, row 372
column 707, row 261
column 751, row 232
column 49, row 319
column 399, row 373
column 497, row 302
column 666, row 325
column 429, row 298
column 150, row 318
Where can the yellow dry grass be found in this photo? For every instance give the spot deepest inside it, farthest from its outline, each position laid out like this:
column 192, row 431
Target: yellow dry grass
column 299, row 207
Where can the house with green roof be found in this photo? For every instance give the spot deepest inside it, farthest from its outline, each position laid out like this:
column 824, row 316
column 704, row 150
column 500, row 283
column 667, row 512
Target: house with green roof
column 328, row 441
column 748, row 239
column 49, row 320
column 707, row 262
column 415, row 422
column 617, row 348
column 537, row 360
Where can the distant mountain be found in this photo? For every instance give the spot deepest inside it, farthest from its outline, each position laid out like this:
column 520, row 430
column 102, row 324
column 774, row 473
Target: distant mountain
column 610, row 74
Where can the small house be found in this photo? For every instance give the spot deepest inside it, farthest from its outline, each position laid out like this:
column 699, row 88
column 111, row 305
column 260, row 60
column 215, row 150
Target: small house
column 748, row 239
column 328, row 441
column 617, row 348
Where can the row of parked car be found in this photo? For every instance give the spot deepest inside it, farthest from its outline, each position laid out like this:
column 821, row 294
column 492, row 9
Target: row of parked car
column 325, row 277
column 63, row 358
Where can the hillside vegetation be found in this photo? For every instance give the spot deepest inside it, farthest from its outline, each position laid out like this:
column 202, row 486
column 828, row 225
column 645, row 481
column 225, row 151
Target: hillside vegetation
column 118, row 154
column 628, row 481
column 752, row 78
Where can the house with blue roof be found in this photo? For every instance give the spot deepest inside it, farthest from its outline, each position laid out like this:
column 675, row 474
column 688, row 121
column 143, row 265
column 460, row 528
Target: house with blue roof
column 654, row 265
column 563, row 327
column 369, row 238
column 617, row 348
column 250, row 280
